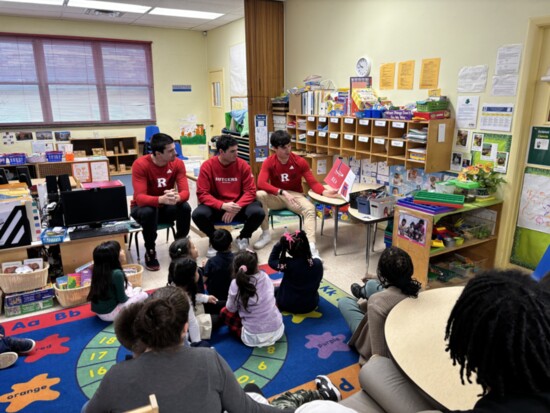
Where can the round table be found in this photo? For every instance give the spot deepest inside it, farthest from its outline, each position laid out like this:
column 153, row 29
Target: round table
column 415, row 334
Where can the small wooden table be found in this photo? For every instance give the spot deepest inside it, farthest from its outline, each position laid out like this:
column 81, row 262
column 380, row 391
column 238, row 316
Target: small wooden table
column 415, row 334
column 369, row 221
column 335, row 204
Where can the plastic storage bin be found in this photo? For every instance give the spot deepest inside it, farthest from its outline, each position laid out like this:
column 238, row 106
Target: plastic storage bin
column 54, row 156
column 382, row 207
column 16, row 158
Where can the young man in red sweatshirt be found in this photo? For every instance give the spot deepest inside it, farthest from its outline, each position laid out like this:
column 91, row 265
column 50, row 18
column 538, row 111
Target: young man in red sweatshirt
column 280, row 187
column 154, row 178
column 227, row 193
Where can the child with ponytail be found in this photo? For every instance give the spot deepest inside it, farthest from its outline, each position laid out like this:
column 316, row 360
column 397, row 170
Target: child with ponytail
column 302, row 274
column 251, row 312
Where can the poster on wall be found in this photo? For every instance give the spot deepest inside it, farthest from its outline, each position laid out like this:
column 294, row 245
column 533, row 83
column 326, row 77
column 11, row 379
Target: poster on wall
column 532, row 235
column 539, row 146
column 497, row 116
column 261, row 137
column 8, row 138
column 491, row 145
column 466, row 111
column 411, row 228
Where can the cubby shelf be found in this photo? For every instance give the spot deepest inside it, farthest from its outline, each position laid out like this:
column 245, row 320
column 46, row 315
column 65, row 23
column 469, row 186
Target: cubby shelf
column 375, row 139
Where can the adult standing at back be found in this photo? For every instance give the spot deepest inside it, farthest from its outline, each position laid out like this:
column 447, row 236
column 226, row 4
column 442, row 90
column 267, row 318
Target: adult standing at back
column 280, row 184
column 155, row 178
column 227, row 193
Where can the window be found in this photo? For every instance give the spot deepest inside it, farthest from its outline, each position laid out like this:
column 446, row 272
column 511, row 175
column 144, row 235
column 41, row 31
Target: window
column 62, row 81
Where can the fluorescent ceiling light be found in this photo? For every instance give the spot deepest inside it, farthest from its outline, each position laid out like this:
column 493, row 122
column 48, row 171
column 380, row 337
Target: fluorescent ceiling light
column 185, row 13
column 107, row 5
column 48, row 2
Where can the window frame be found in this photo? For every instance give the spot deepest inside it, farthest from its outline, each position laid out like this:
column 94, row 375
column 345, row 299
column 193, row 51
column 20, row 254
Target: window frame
column 100, row 84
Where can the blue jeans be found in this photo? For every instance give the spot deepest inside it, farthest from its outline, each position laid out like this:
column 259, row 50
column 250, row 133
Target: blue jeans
column 350, row 309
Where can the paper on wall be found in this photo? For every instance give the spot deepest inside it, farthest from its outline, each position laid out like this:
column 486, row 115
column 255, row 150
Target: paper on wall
column 508, row 59
column 505, row 85
column 466, row 111
column 472, row 79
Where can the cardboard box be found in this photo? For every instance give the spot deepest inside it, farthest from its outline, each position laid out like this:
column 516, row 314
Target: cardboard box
column 17, row 299
column 295, row 104
column 28, row 308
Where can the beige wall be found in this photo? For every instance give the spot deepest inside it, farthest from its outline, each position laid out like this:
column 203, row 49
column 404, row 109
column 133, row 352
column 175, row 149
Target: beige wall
column 326, row 38
column 220, row 41
column 179, row 57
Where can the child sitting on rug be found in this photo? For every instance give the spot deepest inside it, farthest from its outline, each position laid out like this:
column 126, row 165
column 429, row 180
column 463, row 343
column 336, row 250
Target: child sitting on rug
column 217, row 271
column 11, row 347
column 183, row 273
column 298, row 292
column 110, row 291
column 184, row 247
column 366, row 319
column 251, row 312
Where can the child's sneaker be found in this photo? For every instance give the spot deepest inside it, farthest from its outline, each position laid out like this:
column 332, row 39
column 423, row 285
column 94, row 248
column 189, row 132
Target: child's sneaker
column 151, row 262
column 211, row 252
column 242, row 244
column 358, row 291
column 20, row 345
column 8, row 359
column 327, row 390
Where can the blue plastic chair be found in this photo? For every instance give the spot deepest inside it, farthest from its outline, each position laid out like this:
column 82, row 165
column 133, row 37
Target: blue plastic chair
column 543, row 266
column 149, row 132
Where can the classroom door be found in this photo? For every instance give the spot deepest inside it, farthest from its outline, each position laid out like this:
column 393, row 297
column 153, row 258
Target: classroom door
column 217, row 110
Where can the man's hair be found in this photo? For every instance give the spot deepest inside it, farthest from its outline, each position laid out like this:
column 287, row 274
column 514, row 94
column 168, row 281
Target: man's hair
column 279, row 138
column 159, row 141
column 221, row 240
column 499, row 329
column 223, row 142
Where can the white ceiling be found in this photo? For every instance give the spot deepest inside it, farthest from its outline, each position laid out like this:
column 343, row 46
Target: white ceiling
column 232, row 10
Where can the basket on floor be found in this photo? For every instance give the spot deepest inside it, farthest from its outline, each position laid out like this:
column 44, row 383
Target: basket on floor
column 14, row 283
column 134, row 279
column 72, row 296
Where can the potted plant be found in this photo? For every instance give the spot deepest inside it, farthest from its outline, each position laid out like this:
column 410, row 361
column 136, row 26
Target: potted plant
column 486, row 178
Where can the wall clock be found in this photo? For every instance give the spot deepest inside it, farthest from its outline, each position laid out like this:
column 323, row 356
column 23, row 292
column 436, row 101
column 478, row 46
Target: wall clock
column 363, row 66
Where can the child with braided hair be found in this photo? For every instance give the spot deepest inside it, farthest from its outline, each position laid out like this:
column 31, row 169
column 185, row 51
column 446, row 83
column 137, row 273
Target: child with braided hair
column 302, row 274
column 499, row 329
column 250, row 311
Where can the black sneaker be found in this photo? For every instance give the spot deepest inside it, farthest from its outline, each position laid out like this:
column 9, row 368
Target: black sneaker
column 327, row 390
column 358, row 291
column 151, row 262
column 20, row 345
column 253, row 388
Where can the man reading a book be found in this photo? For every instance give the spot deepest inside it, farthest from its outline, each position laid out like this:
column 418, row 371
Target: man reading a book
column 280, row 187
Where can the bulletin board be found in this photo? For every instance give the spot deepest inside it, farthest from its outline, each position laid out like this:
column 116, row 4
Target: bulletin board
column 503, row 143
column 532, row 235
column 539, row 150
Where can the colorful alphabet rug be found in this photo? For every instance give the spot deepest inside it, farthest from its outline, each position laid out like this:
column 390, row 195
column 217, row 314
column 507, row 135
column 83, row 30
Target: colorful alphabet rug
column 74, row 350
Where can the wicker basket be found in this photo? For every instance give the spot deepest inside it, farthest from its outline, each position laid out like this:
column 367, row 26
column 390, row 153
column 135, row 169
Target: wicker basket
column 134, row 279
column 72, row 296
column 14, row 283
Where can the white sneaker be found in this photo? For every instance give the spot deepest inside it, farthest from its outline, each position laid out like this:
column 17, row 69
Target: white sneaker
column 242, row 243
column 211, row 252
column 314, row 250
column 264, row 239
column 8, row 359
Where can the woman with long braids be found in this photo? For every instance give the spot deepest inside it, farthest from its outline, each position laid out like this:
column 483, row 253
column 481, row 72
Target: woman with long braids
column 366, row 319
column 302, row 274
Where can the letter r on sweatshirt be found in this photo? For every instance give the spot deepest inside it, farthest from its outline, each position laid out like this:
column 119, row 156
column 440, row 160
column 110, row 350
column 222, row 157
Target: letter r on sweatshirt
column 284, row 177
column 161, row 182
